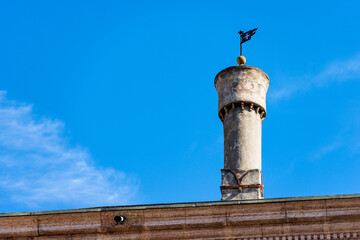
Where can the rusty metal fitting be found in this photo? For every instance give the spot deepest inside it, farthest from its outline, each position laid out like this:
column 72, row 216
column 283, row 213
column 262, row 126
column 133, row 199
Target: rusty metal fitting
column 251, row 106
column 221, row 116
column 242, row 186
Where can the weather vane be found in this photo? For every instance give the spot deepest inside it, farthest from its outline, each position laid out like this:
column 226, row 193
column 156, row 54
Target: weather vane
column 244, row 37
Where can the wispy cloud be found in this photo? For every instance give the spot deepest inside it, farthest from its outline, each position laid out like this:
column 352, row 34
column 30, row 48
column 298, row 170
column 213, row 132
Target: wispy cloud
column 40, row 170
column 325, row 150
column 337, row 71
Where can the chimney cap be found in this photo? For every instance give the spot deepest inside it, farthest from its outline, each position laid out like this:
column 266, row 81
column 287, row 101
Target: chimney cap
column 239, row 67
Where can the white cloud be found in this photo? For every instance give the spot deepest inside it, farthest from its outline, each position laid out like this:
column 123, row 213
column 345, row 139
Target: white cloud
column 40, row 170
column 338, row 71
column 325, row 150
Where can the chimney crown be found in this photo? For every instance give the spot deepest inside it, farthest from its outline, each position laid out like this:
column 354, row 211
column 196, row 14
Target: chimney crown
column 242, row 83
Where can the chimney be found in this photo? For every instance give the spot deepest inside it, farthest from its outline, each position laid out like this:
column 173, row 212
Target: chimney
column 242, row 108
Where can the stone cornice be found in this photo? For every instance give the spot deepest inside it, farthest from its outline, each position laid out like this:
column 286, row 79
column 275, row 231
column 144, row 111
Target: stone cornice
column 236, row 68
column 336, row 218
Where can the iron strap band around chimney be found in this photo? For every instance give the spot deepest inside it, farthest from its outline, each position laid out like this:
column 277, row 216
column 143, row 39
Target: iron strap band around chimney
column 242, row 186
column 239, row 185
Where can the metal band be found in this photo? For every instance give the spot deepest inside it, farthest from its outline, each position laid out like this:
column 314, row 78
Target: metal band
column 242, row 186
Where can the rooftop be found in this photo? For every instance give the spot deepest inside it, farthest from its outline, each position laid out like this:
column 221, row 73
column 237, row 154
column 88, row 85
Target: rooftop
column 181, row 205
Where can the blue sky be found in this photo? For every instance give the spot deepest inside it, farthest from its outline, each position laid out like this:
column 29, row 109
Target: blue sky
column 113, row 102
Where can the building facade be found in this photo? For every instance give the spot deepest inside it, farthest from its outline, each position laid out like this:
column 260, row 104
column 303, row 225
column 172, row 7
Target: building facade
column 327, row 217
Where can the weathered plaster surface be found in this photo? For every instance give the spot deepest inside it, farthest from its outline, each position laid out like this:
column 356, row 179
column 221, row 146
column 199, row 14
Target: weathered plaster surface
column 242, row 140
column 241, row 83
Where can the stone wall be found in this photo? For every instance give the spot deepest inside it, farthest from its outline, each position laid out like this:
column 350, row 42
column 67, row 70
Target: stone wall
column 332, row 217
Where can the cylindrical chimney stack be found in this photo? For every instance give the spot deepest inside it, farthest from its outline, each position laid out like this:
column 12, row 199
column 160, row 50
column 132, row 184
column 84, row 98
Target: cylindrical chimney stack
column 242, row 108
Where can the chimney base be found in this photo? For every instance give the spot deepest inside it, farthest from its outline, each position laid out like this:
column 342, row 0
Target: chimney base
column 240, row 185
